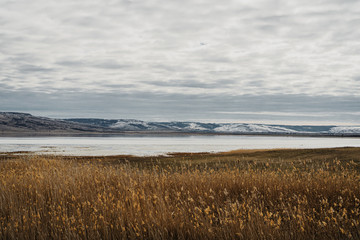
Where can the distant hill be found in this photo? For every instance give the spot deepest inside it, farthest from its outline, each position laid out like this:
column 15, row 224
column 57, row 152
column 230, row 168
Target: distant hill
column 220, row 128
column 13, row 122
column 24, row 123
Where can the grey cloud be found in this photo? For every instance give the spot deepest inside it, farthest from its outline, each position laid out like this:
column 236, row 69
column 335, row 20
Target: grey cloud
column 120, row 86
column 150, row 106
column 84, row 21
column 258, row 54
column 32, row 68
column 110, row 65
column 4, row 85
column 21, row 58
column 95, row 64
column 165, row 67
column 71, row 63
column 191, row 83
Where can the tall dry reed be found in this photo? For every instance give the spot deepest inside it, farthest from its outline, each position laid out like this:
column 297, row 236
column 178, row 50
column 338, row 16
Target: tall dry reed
column 55, row 198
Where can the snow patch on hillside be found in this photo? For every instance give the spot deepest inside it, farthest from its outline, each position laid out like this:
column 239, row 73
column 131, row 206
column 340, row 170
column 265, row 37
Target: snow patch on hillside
column 195, row 127
column 345, row 129
column 254, row 128
column 130, row 125
column 138, row 125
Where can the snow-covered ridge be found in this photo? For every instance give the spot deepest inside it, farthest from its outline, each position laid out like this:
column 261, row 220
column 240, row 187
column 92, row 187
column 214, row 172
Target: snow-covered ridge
column 130, row 125
column 138, row 125
column 258, row 128
column 11, row 122
column 345, row 129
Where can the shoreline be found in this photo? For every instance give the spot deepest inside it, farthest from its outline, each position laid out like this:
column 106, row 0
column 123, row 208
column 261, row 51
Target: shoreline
column 174, row 155
column 167, row 134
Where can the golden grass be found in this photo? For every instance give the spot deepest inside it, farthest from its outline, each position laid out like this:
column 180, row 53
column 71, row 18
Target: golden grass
column 309, row 194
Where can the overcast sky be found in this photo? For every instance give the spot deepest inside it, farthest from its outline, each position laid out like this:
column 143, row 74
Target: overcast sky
column 270, row 61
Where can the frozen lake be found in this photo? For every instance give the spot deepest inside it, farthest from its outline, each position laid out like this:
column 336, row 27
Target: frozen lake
column 157, row 145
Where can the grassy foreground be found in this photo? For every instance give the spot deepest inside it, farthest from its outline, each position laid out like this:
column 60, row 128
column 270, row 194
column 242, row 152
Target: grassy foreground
column 264, row 194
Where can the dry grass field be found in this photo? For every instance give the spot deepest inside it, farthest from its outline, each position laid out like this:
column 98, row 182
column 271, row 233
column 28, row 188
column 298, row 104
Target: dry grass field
column 257, row 194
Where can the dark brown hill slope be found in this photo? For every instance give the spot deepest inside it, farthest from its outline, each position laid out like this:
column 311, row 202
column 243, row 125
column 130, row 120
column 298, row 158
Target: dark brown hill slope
column 18, row 123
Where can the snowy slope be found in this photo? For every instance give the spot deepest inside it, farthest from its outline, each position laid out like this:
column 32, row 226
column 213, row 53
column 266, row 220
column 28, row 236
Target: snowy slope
column 345, row 129
column 252, row 128
column 246, row 128
column 23, row 122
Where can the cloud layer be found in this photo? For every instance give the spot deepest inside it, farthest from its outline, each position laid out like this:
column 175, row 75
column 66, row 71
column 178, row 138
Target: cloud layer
column 224, row 57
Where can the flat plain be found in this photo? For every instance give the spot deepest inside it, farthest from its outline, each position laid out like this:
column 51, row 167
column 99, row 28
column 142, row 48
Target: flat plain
column 245, row 194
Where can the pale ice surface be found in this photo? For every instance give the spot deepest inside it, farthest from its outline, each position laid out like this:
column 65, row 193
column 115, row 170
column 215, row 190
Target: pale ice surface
column 155, row 145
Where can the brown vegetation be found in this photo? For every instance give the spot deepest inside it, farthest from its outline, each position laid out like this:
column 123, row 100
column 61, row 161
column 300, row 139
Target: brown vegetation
column 274, row 194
